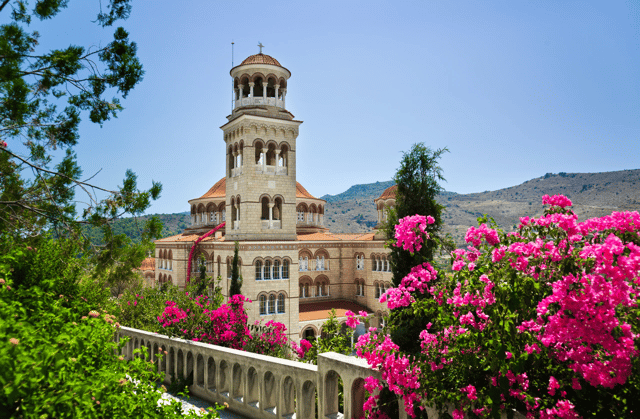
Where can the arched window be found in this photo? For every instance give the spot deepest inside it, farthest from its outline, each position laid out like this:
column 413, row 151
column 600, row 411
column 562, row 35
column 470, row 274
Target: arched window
column 272, row 304
column 302, row 294
column 281, row 303
column 377, row 290
column 258, row 270
column 267, row 269
column 276, row 269
column 263, row 305
column 285, row 269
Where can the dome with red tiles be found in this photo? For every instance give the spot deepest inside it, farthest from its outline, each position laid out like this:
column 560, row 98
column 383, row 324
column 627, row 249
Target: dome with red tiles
column 261, row 59
column 389, row 193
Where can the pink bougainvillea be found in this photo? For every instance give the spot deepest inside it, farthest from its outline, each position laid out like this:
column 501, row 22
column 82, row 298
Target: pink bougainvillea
column 557, row 294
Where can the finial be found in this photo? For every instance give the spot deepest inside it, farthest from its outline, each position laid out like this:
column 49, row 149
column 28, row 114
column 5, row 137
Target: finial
column 261, row 46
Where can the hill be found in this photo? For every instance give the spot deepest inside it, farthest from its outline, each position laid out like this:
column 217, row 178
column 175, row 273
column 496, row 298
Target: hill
column 593, row 194
column 364, row 191
column 353, row 211
column 172, row 224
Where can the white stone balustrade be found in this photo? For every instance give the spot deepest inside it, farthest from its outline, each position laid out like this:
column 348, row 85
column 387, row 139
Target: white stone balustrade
column 258, row 386
column 257, row 101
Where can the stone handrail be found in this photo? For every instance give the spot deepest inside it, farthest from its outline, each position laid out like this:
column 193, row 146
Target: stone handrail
column 258, row 386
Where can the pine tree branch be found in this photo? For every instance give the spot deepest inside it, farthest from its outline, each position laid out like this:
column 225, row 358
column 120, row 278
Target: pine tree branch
column 77, row 182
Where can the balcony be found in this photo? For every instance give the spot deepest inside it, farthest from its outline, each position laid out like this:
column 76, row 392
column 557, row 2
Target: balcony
column 271, row 225
column 259, row 101
column 236, row 171
column 272, row 170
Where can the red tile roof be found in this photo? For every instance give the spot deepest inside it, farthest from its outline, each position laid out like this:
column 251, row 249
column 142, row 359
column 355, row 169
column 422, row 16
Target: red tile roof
column 301, row 192
column 389, row 193
column 149, row 264
column 219, row 190
column 261, row 59
column 189, row 238
column 320, row 310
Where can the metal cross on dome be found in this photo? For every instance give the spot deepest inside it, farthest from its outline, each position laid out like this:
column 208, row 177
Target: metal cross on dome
column 261, row 46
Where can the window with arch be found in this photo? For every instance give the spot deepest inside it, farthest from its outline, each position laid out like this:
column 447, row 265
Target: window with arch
column 281, row 303
column 267, row 269
column 303, row 263
column 285, row 269
column 272, row 304
column 263, row 305
column 377, row 287
column 276, row 269
column 258, row 270
column 320, row 263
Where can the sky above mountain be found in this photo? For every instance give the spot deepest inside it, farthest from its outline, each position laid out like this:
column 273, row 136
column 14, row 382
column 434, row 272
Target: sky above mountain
column 513, row 89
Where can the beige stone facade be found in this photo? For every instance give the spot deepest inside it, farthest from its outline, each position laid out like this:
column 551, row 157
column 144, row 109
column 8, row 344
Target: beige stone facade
column 293, row 268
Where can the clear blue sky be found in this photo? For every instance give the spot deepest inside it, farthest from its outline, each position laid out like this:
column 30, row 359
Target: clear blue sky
column 513, row 89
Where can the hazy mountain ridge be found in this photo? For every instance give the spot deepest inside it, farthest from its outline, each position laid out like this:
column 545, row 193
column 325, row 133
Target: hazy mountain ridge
column 593, row 195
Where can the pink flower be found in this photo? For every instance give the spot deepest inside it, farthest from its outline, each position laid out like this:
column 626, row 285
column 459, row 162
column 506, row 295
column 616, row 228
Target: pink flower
column 553, row 385
column 556, row 200
column 14, row 341
column 94, row 313
column 352, row 320
column 363, row 313
column 509, row 355
column 471, row 392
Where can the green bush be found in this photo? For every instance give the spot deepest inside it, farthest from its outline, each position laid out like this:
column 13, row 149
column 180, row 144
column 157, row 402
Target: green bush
column 58, row 357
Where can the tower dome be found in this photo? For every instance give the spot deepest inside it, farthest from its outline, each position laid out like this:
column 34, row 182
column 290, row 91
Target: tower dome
column 261, row 59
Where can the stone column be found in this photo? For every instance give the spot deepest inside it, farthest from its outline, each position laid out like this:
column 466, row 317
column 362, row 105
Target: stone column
column 240, row 88
column 277, row 88
column 284, row 93
column 263, row 152
column 271, row 205
column 251, row 89
column 264, row 91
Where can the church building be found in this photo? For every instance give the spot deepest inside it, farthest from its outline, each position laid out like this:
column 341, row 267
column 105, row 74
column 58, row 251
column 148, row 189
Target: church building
column 293, row 268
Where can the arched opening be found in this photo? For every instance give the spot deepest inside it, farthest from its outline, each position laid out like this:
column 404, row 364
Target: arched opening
column 258, row 87
column 357, row 398
column 281, row 301
column 253, row 388
column 244, row 86
column 276, row 269
column 211, row 374
column 265, row 208
column 271, row 87
column 271, row 155
column 258, row 152
column 180, row 364
column 283, row 156
column 171, row 368
column 269, row 392
column 309, row 333
column 272, row 304
column 190, row 373
column 277, row 209
column 238, row 388
column 288, row 404
column 309, row 401
column 223, row 379
column 267, row 269
column 258, row 270
column 263, row 304
column 200, row 371
column 285, row 269
column 333, row 394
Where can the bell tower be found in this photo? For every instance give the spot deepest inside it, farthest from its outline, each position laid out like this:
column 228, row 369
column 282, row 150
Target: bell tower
column 260, row 139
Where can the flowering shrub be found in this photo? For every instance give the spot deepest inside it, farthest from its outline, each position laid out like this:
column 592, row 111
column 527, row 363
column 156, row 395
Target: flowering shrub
column 543, row 320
